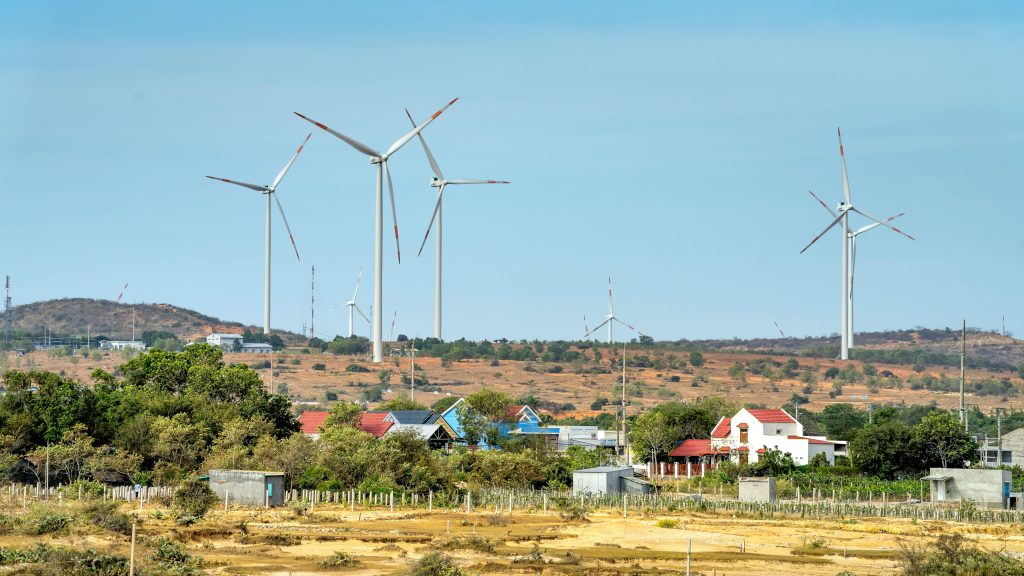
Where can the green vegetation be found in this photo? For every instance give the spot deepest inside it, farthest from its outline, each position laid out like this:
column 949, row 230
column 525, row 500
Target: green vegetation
column 954, row 555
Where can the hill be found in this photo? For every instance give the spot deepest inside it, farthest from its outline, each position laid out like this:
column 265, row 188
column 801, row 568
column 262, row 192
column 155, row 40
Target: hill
column 77, row 316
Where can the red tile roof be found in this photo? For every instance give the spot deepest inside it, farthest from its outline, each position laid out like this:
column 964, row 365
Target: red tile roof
column 760, row 450
column 693, row 447
column 743, row 449
column 810, row 440
column 722, row 429
column 724, row 449
column 770, row 415
column 742, row 425
column 312, row 421
column 374, row 423
column 514, row 411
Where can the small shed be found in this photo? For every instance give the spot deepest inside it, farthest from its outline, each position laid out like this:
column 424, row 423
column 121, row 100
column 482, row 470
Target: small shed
column 757, row 489
column 250, row 487
column 986, row 486
column 600, row 480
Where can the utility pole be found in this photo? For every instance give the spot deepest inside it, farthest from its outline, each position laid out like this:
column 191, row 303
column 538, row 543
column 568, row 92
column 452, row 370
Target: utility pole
column 963, row 356
column 412, row 371
column 7, row 309
column 312, row 302
column 999, row 436
column 625, row 438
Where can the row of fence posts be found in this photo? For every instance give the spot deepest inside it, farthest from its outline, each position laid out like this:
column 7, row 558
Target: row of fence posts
column 59, row 493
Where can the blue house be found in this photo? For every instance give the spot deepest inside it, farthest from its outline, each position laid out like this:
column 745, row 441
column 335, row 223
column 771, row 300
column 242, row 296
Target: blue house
column 522, row 420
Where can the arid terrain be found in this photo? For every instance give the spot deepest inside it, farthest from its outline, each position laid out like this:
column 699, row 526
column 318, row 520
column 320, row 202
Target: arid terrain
column 284, row 541
column 295, row 373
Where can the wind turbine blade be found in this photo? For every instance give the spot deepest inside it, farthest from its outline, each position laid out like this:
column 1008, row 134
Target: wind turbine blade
column 472, row 181
column 823, row 205
column 585, row 329
column 779, row 328
column 359, row 279
column 286, row 227
column 893, row 228
column 350, row 141
column 864, row 229
column 598, row 327
column 122, row 293
column 437, row 208
column 430, row 157
column 391, row 333
column 419, row 128
column 846, row 181
column 610, row 312
column 361, row 313
column 394, row 213
column 255, row 187
column 853, row 262
column 284, row 170
column 827, row 228
column 624, row 324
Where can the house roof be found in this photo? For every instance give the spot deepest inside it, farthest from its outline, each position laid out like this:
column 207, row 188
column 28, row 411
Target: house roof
column 742, row 425
column 374, row 423
column 410, row 416
column 771, row 415
column 811, row 440
column 225, row 335
column 312, row 421
column 721, row 429
column 743, row 449
column 724, row 449
column 693, row 447
column 425, row 431
column 760, row 450
column 604, row 469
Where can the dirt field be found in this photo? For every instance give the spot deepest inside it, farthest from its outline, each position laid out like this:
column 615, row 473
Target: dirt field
column 305, row 384
column 281, row 542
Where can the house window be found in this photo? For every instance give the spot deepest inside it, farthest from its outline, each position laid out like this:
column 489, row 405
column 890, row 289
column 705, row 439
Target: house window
column 743, row 435
column 778, row 431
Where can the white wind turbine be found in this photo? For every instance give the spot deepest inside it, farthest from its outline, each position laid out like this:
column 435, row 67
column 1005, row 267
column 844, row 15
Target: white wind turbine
column 853, row 259
column 381, row 160
column 271, row 191
column 353, row 307
column 440, row 182
column 609, row 318
column 842, row 215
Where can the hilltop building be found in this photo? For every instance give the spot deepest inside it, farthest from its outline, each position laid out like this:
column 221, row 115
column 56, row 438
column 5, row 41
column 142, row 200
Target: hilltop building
column 225, row 341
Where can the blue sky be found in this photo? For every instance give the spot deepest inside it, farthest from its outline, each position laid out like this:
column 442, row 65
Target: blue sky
column 667, row 145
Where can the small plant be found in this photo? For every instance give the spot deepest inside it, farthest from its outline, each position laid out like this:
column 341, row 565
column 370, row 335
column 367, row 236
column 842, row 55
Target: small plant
column 570, row 509
column 340, row 560
column 436, row 564
column 668, row 523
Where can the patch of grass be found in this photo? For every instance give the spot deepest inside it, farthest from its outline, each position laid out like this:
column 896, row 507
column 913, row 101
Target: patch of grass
column 43, row 560
column 436, row 564
column 478, row 543
column 42, row 521
column 105, row 514
column 667, row 523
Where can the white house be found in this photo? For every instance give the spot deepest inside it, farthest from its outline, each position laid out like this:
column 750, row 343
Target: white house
column 122, row 345
column 225, row 341
column 747, row 435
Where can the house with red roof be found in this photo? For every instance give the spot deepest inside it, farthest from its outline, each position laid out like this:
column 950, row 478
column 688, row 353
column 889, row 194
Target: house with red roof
column 747, row 435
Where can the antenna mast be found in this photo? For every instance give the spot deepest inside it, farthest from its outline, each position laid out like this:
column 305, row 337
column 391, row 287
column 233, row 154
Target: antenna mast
column 963, row 355
column 7, row 309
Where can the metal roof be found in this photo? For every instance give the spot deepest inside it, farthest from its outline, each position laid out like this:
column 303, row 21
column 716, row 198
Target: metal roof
column 603, row 469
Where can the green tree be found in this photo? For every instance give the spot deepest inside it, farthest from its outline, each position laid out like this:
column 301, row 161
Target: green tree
column 444, row 404
column 492, row 404
column 344, row 414
column 192, row 500
column 401, row 403
column 652, row 435
column 696, row 359
column 773, row 462
column 885, row 450
column 842, row 421
column 943, row 442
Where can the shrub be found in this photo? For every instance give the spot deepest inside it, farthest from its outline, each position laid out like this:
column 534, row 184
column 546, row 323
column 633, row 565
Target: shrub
column 340, row 560
column 105, row 514
column 668, row 523
column 570, row 509
column 192, row 500
column 43, row 521
column 319, row 367
column 351, row 368
column 436, row 564
column 172, row 558
column 954, row 554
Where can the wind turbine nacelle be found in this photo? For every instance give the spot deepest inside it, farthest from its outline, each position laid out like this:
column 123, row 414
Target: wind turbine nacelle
column 435, row 182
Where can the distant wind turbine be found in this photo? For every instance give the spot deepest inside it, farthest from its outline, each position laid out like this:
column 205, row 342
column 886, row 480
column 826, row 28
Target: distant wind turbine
column 271, row 191
column 609, row 318
column 353, row 307
column 439, row 182
column 381, row 160
column 842, row 215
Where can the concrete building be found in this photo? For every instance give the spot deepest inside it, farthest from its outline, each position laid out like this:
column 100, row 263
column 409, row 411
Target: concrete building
column 225, row 341
column 757, row 489
column 984, row 486
column 122, row 345
column 751, row 432
column 1011, row 453
column 256, row 348
column 601, row 480
column 250, row 487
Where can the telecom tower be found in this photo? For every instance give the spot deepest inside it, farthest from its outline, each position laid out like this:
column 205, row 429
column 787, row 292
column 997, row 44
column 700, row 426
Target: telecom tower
column 8, row 320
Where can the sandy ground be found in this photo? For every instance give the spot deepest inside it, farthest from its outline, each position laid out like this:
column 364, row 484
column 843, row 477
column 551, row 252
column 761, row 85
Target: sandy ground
column 295, row 375
column 280, row 542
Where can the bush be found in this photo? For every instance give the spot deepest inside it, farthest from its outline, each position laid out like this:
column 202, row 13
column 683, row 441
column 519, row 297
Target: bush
column 319, row 367
column 192, row 500
column 668, row 523
column 353, row 368
column 340, row 560
column 43, row 521
column 437, row 564
column 172, row 558
column 953, row 554
column 105, row 514
column 570, row 509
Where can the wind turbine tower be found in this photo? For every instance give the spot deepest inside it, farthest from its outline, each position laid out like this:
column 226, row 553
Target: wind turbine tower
column 269, row 191
column 353, row 307
column 842, row 214
column 380, row 159
column 440, row 182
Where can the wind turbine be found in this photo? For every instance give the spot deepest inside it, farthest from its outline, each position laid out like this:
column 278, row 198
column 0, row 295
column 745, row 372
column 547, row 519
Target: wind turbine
column 609, row 318
column 271, row 191
column 353, row 307
column 381, row 160
column 440, row 182
column 841, row 214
